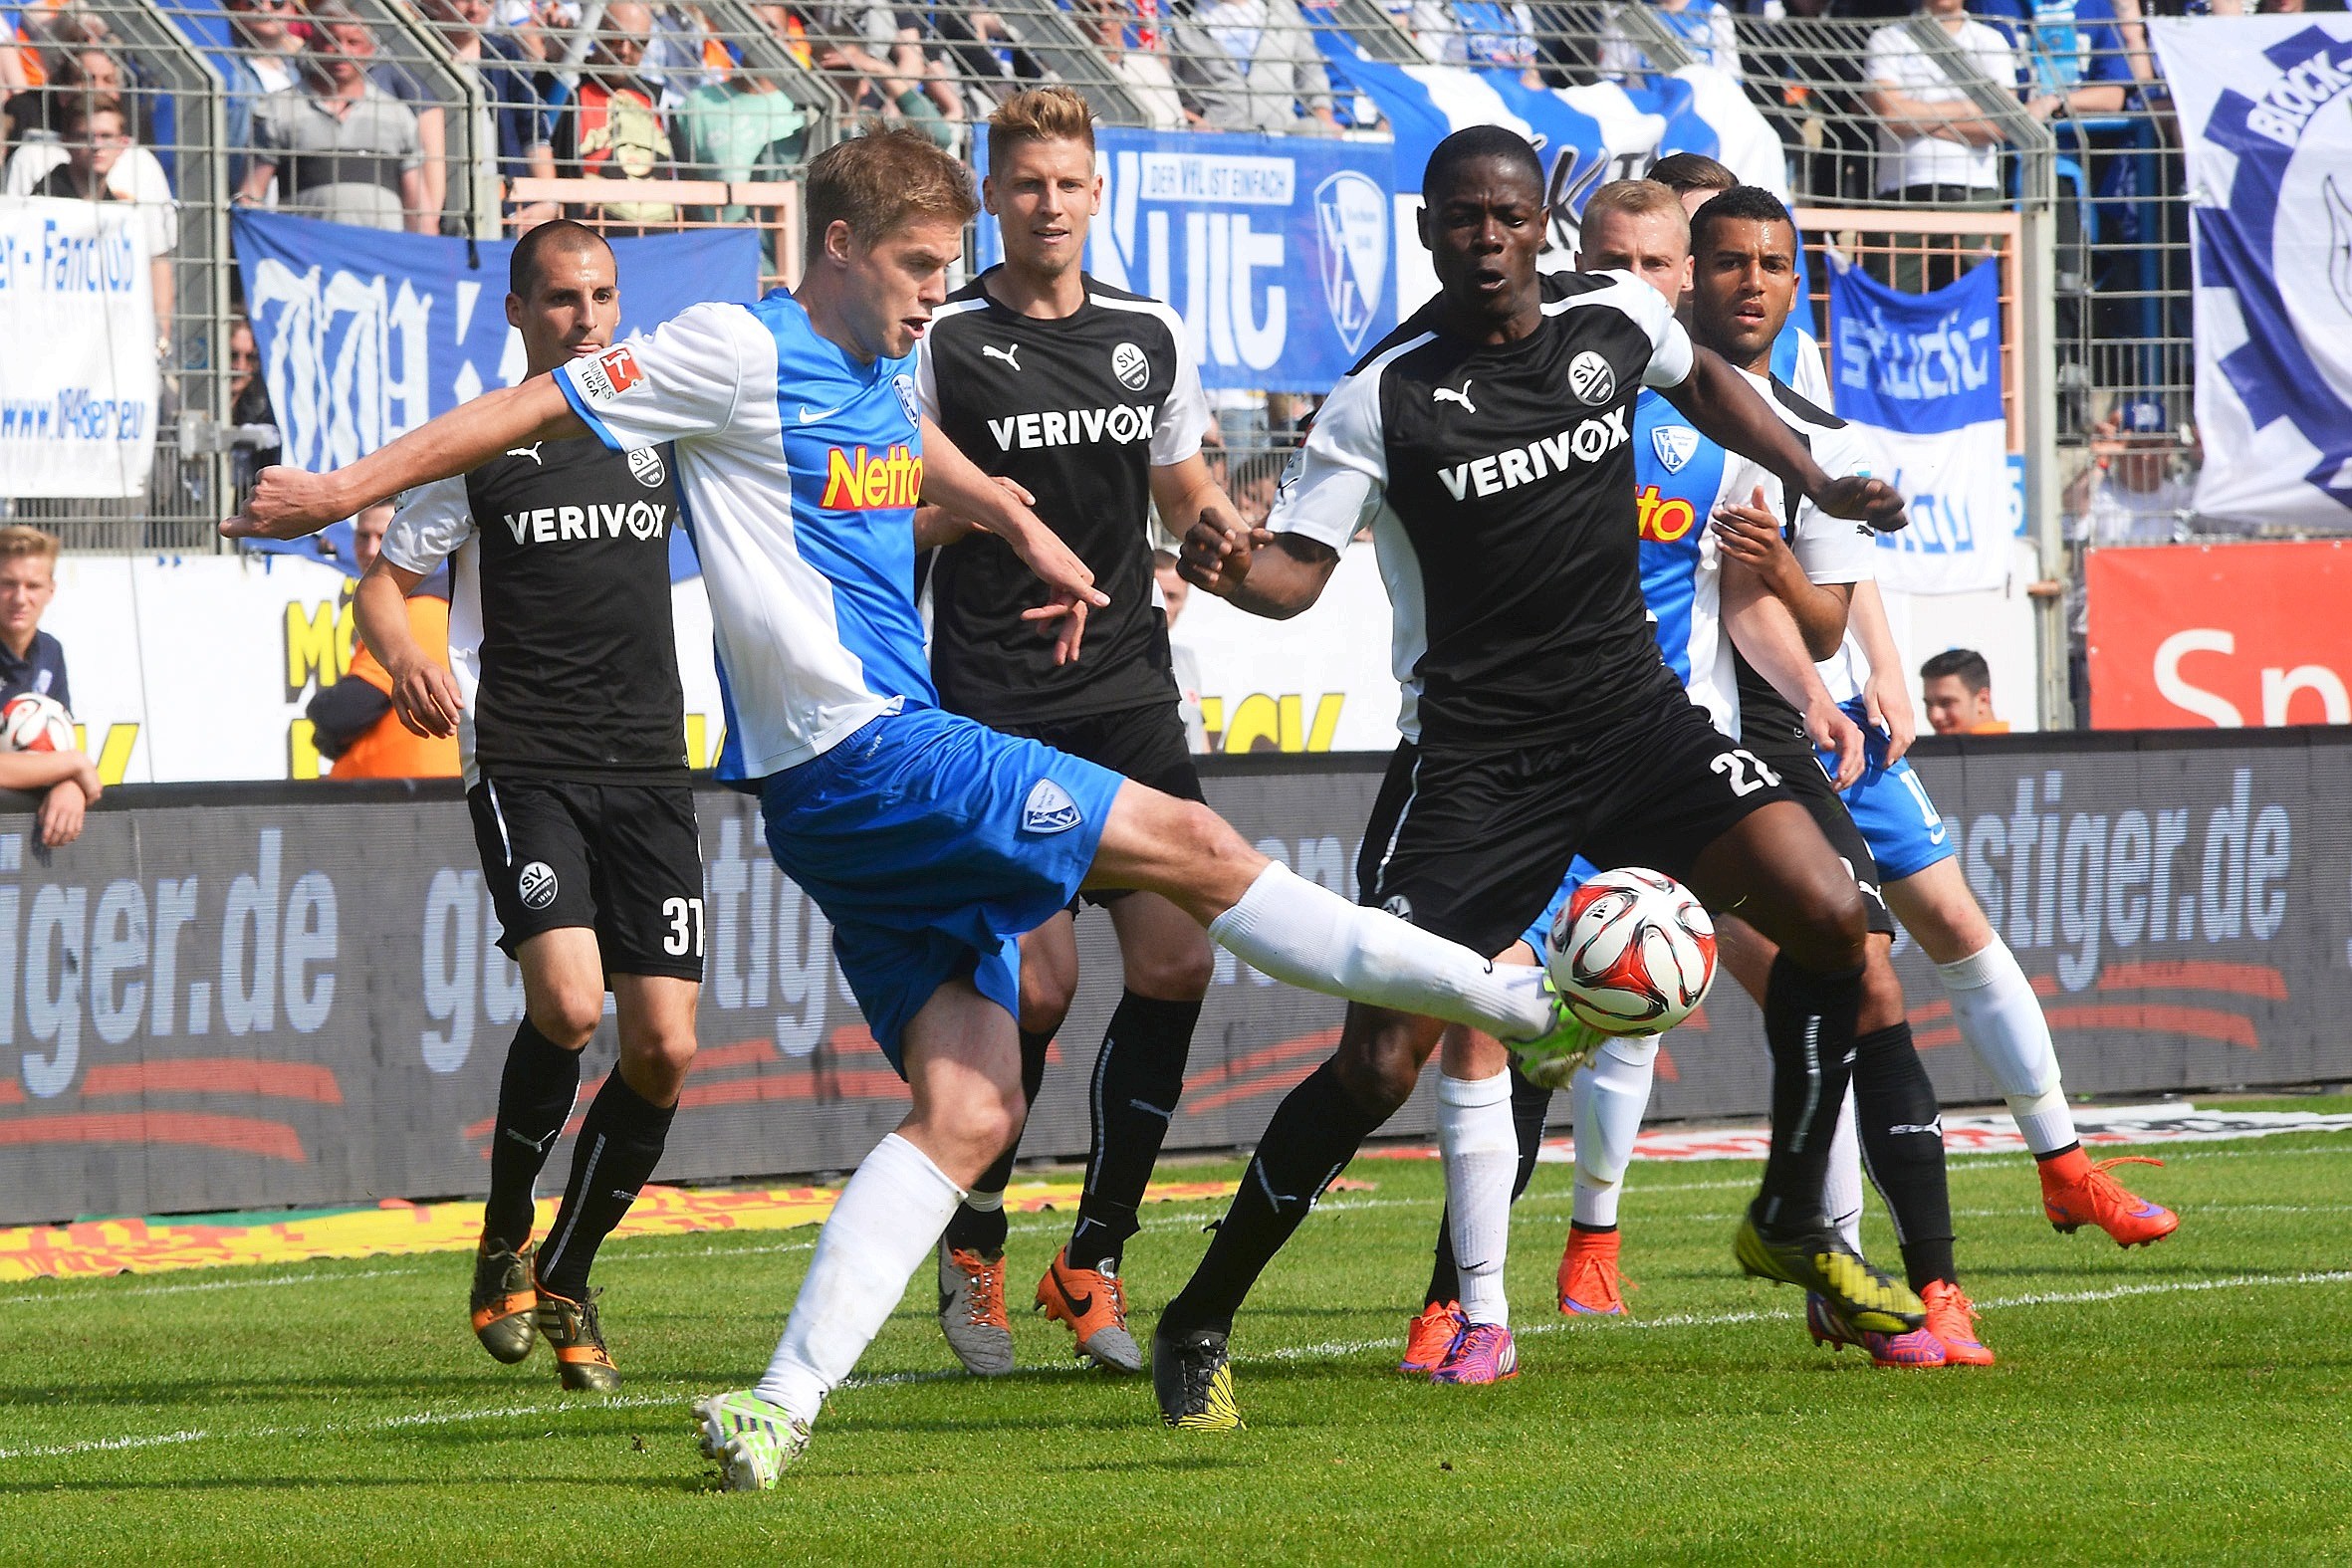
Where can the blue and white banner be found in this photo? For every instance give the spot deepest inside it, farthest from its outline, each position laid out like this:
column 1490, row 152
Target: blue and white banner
column 1588, row 135
column 1921, row 372
column 1276, row 250
column 2265, row 111
column 365, row 334
column 78, row 397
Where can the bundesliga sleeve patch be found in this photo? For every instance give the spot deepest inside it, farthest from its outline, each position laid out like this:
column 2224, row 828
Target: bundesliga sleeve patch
column 608, row 374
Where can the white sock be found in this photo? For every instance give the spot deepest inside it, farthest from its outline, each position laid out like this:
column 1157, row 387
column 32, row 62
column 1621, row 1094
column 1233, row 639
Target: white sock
column 1841, row 1191
column 1310, row 937
column 1480, row 1145
column 2001, row 1018
column 883, row 1227
column 1609, row 1098
column 981, row 1202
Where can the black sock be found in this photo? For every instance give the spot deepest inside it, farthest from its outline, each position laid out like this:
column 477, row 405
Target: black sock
column 535, row 1095
column 1809, row 1024
column 983, row 1231
column 1137, row 1083
column 619, row 1145
column 1903, row 1144
column 1315, row 1131
column 1530, row 1103
column 2057, row 1154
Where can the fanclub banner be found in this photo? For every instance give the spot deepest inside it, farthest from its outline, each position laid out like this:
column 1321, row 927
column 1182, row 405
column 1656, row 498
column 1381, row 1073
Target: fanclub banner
column 223, row 1000
column 2265, row 112
column 1921, row 373
column 78, row 402
column 365, row 334
column 1276, row 250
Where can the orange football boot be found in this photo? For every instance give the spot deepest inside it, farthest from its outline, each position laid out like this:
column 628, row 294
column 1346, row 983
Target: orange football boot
column 505, row 1305
column 1429, row 1336
column 571, row 1331
column 1095, row 1305
column 2077, row 1192
column 1589, row 1280
column 1952, row 1318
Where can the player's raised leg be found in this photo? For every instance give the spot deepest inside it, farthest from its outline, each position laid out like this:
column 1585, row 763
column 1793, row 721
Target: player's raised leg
column 2002, row 1020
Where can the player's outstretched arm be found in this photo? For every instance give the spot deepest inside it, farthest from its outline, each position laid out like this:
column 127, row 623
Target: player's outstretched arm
column 953, row 481
column 1728, row 410
column 1761, row 627
column 288, row 503
column 1748, row 534
column 424, row 693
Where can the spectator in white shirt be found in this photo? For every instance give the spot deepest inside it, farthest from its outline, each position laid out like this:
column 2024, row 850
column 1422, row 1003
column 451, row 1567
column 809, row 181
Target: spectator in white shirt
column 1705, row 27
column 1935, row 146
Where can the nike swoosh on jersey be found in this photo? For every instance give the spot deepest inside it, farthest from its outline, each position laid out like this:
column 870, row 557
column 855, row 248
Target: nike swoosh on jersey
column 809, row 418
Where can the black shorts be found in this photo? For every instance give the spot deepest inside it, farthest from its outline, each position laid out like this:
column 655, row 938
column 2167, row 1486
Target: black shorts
column 1793, row 759
column 1146, row 745
column 624, row 860
column 1472, row 846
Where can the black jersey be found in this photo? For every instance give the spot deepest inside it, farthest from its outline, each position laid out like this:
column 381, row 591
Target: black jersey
column 1077, row 410
column 1498, row 482
column 560, row 627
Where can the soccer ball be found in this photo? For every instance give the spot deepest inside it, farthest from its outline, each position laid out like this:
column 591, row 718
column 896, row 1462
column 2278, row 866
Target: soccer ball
column 1632, row 951
column 33, row 723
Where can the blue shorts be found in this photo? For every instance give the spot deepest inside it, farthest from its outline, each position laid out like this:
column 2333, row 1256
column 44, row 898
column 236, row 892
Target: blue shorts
column 932, row 843
column 1580, row 871
column 1905, row 831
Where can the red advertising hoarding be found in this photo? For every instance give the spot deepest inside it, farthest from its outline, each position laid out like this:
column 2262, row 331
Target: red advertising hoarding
column 2231, row 636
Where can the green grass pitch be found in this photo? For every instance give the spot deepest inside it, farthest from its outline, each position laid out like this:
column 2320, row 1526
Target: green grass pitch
column 2187, row 1403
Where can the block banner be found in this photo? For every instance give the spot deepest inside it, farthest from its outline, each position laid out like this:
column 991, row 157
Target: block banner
column 1921, row 372
column 78, row 402
column 2267, row 130
column 1276, row 250
column 2229, row 635
column 226, row 1000
column 365, row 335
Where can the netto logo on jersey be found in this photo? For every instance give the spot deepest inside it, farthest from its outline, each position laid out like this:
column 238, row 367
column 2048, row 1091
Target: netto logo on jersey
column 1663, row 519
column 1072, row 427
column 1591, row 379
column 1524, row 465
column 1128, row 363
column 555, row 525
column 856, row 480
column 609, row 375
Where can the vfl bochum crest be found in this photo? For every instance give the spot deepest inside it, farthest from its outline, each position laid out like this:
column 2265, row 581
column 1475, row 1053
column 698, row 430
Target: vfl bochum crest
column 1351, row 227
column 904, row 386
column 1674, row 445
column 1049, row 809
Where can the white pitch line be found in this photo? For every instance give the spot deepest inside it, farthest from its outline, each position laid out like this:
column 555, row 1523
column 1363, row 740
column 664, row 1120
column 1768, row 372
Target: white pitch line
column 109, row 1445
column 1326, row 1350
column 48, row 1296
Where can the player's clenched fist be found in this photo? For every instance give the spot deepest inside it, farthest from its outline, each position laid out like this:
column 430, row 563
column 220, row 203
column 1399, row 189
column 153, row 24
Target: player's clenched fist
column 1217, row 551
column 1866, row 499
column 287, row 503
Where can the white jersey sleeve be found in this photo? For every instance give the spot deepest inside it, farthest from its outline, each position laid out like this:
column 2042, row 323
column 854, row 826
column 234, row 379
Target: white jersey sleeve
column 1184, row 417
column 1337, row 481
column 1808, row 377
column 1671, row 354
column 685, row 379
column 431, row 522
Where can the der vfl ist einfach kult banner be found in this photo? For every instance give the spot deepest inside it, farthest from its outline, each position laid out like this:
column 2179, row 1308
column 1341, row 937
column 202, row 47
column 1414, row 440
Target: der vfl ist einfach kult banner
column 2265, row 112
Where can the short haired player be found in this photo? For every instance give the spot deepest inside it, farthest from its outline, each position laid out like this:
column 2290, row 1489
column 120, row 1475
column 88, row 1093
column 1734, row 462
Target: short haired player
column 563, row 690
column 1487, row 442
column 930, row 841
column 1088, row 398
